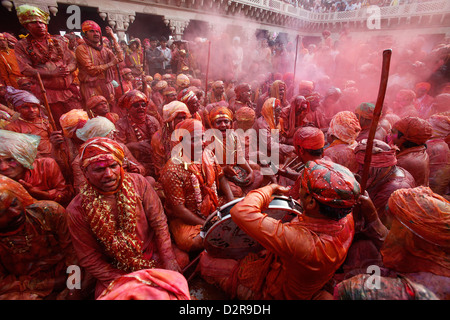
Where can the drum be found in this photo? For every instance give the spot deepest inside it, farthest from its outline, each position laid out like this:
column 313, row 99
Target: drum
column 222, row 238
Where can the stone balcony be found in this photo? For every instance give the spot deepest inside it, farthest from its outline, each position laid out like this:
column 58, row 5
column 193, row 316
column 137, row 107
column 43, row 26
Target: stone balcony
column 272, row 15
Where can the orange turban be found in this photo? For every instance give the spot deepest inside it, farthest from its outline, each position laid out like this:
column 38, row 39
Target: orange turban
column 330, row 183
column 90, row 25
column 183, row 80
column 161, row 85
column 95, row 101
column 172, row 109
column 124, row 71
column 186, row 96
column 245, row 114
column 190, row 125
column 220, row 112
column 419, row 238
column 415, row 129
column 130, row 98
column 310, row 138
column 306, row 85
column 100, row 149
column 345, row 126
column 14, row 187
column 423, row 85
column 73, row 120
column 169, row 90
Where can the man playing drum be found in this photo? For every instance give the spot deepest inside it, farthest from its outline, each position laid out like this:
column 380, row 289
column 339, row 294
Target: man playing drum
column 300, row 256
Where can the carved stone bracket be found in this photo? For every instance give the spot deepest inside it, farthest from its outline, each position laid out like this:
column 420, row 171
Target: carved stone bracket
column 50, row 6
column 177, row 26
column 118, row 21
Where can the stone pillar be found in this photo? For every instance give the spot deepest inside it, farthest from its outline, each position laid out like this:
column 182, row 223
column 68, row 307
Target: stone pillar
column 176, row 26
column 118, row 21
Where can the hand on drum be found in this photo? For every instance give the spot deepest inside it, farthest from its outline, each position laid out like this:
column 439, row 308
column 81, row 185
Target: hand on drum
column 277, row 189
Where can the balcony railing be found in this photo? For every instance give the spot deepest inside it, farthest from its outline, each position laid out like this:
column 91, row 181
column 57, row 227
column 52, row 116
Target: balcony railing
column 400, row 11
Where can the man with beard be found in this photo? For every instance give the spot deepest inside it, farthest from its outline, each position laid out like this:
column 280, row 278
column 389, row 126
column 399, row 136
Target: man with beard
column 192, row 180
column 117, row 222
column 172, row 114
column 136, row 129
column 243, row 97
column 46, row 55
column 217, row 92
column 96, row 63
column 230, row 154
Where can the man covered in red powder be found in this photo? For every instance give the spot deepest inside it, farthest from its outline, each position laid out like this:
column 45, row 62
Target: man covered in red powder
column 35, row 247
column 385, row 175
column 117, row 222
column 30, row 120
column 300, row 256
column 194, row 185
column 96, row 63
column 137, row 128
column 50, row 57
column 41, row 177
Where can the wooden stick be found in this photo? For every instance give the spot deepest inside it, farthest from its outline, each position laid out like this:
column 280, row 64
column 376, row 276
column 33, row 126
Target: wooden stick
column 295, row 61
column 207, row 71
column 46, row 105
column 376, row 116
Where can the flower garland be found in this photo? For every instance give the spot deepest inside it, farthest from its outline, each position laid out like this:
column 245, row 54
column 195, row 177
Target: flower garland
column 52, row 44
column 197, row 192
column 119, row 239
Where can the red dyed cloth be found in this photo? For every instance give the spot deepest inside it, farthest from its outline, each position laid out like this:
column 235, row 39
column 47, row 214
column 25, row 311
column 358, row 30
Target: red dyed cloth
column 343, row 154
column 417, row 162
column 34, row 56
column 419, row 239
column 194, row 186
column 439, row 154
column 301, row 255
column 151, row 230
column 148, row 284
column 46, row 176
column 35, row 257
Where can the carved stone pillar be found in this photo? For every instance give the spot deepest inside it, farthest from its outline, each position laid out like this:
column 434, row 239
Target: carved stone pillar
column 177, row 26
column 118, row 21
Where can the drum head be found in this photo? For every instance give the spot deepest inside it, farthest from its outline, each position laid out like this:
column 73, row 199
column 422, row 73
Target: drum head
column 224, row 239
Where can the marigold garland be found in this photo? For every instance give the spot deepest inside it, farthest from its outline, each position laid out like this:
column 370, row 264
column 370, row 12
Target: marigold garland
column 120, row 239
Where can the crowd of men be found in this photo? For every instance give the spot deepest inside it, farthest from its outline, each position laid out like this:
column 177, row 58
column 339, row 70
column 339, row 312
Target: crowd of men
column 114, row 155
